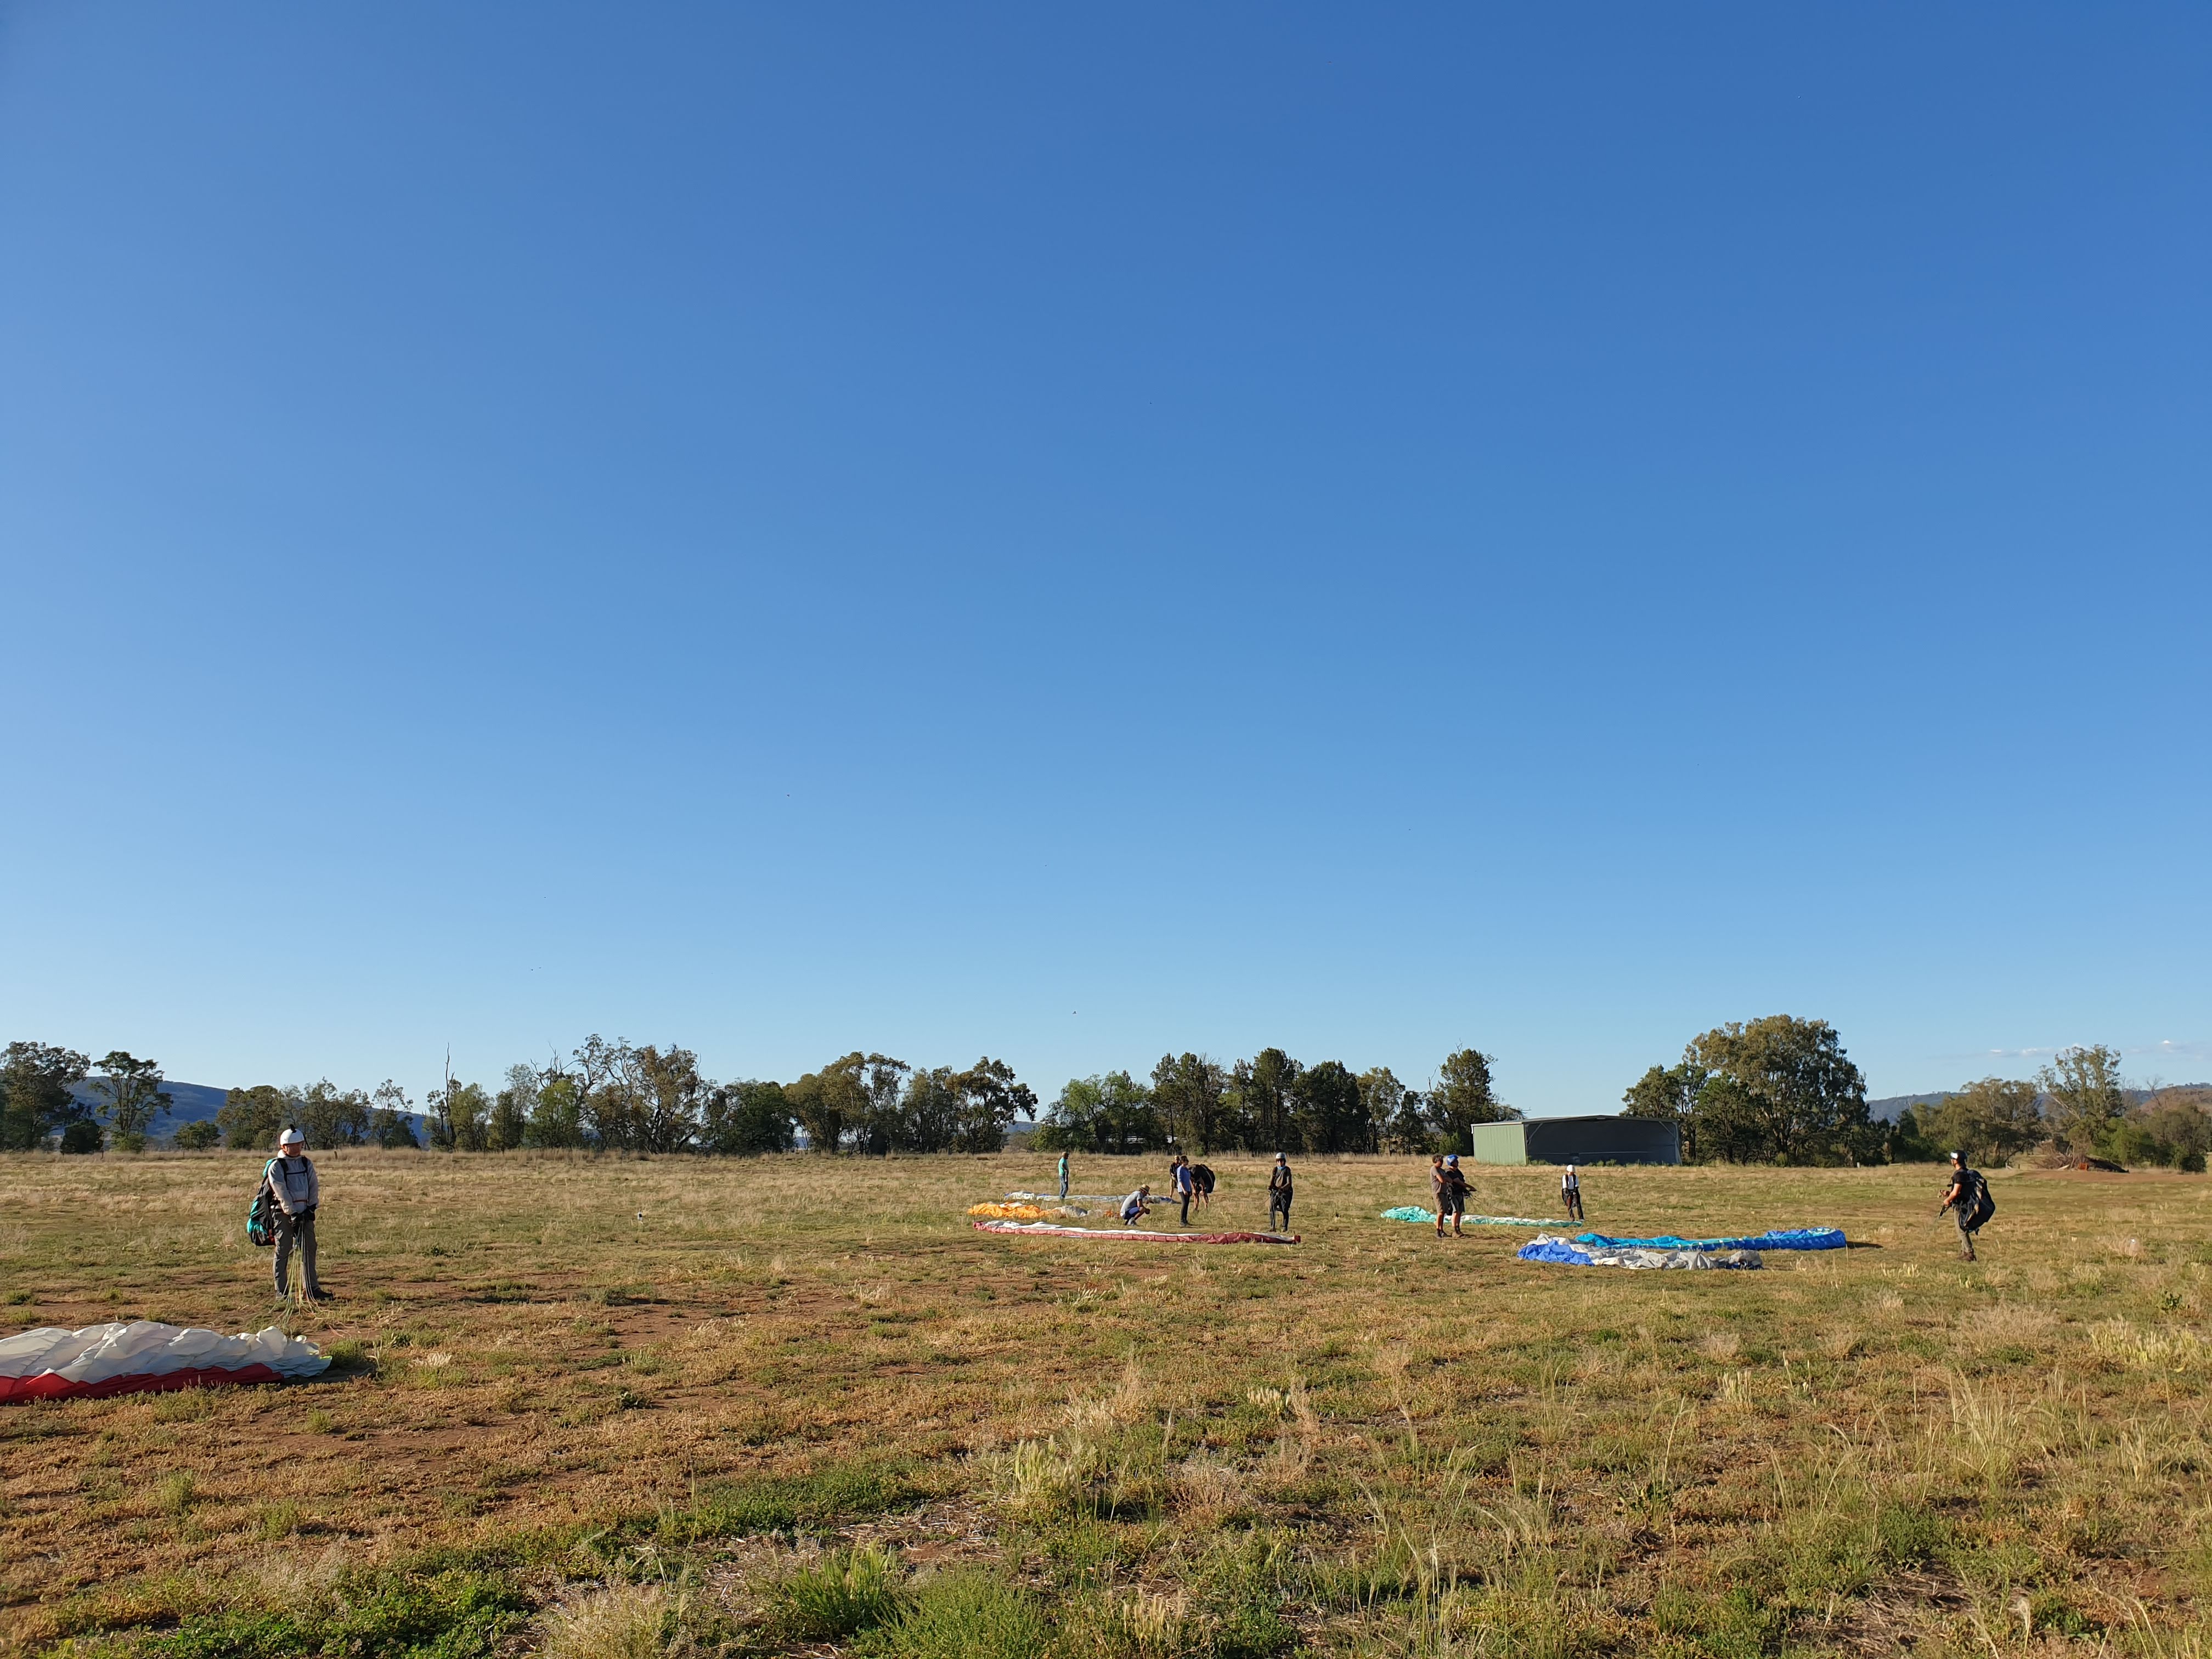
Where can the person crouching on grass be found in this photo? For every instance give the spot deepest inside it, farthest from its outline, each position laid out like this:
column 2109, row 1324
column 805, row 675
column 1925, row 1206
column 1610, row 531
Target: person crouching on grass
column 290, row 1179
column 1135, row 1206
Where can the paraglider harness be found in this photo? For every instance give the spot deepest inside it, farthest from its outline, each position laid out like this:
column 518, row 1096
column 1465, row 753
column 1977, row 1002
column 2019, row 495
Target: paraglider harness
column 261, row 1219
column 1974, row 1205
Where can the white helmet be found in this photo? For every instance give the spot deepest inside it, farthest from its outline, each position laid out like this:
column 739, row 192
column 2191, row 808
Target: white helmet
column 290, row 1138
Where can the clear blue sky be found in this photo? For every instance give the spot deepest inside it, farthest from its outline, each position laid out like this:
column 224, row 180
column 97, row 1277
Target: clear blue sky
column 1069, row 535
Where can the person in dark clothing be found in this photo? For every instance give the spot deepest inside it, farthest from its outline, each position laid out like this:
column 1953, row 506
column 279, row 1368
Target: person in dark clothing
column 1278, row 1196
column 1201, row 1181
column 297, row 1192
column 1451, row 1196
column 1437, row 1189
column 1967, row 1198
column 1571, row 1193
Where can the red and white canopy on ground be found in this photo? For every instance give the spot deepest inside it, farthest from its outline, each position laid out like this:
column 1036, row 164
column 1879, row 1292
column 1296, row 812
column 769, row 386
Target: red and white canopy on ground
column 52, row 1364
column 1046, row 1230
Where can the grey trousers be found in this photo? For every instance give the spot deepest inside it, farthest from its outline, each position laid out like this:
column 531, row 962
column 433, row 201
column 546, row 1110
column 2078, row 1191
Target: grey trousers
column 302, row 1228
column 1966, row 1235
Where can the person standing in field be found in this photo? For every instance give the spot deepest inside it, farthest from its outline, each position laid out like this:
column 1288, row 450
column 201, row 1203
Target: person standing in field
column 1278, row 1196
column 1451, row 1195
column 1186, row 1185
column 1437, row 1189
column 1063, row 1177
column 296, row 1191
column 1968, row 1200
column 1571, row 1193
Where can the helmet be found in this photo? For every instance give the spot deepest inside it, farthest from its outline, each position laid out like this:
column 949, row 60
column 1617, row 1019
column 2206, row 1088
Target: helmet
column 291, row 1138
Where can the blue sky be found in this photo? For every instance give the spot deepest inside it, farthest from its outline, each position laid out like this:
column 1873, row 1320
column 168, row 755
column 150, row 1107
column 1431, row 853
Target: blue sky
column 1075, row 534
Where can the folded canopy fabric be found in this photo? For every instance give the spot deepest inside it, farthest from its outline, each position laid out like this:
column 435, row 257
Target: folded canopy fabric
column 1046, row 1230
column 1545, row 1248
column 52, row 1364
column 1415, row 1213
column 1786, row 1239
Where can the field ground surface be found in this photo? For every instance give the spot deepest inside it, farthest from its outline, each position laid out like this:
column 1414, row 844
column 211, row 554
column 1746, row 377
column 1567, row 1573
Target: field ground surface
column 613, row 1407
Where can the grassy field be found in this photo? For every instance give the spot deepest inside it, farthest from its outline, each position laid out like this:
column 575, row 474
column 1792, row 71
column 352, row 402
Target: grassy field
column 612, row 1408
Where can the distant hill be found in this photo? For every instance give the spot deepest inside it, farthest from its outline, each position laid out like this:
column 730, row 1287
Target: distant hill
column 1893, row 1107
column 191, row 1103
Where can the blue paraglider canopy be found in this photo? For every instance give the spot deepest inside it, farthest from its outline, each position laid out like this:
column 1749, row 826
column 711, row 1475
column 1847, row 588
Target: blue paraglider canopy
column 1788, row 1238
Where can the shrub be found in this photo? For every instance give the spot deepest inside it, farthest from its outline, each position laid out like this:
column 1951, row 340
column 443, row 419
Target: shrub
column 625, row 1621
column 842, row 1593
column 197, row 1137
column 969, row 1612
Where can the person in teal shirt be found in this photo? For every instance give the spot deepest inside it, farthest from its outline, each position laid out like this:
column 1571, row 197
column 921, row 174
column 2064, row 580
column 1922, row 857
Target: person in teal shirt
column 1063, row 1177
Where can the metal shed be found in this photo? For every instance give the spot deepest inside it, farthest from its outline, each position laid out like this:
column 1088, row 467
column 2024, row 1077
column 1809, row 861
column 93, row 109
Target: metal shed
column 1608, row 1139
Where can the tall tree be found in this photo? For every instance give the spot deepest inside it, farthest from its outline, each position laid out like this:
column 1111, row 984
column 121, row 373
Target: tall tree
column 747, row 1118
column 1329, row 1111
column 989, row 1100
column 881, row 1125
column 1464, row 1095
column 1190, row 1093
column 38, row 1093
column 330, row 1116
column 1782, row 1091
column 510, row 1108
column 1393, row 1110
column 830, row 1103
column 1669, row 1095
column 1264, row 1091
column 1987, row 1119
column 391, row 1118
column 131, row 1097
column 669, row 1096
column 2085, row 1095
column 1109, row 1114
column 927, row 1116
column 252, row 1119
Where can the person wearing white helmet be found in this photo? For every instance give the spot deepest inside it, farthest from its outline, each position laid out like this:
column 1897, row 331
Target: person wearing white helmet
column 1278, row 1195
column 292, row 1184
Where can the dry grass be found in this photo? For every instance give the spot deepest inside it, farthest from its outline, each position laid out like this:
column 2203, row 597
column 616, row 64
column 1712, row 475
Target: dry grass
column 1374, row 1442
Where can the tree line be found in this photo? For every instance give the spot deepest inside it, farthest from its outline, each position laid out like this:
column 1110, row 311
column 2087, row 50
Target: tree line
column 1781, row 1089
column 1273, row 1103
column 620, row 1097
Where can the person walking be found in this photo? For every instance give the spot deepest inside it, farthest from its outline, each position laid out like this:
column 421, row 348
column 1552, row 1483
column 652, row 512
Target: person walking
column 1571, row 1193
column 1451, row 1195
column 296, row 1191
column 1278, row 1196
column 1968, row 1200
column 1186, row 1186
column 1063, row 1177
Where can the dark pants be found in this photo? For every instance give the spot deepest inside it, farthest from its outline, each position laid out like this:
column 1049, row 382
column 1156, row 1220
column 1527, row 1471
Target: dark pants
column 1186, row 1209
column 302, row 1228
column 1966, row 1226
column 1279, row 1205
column 1573, row 1197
